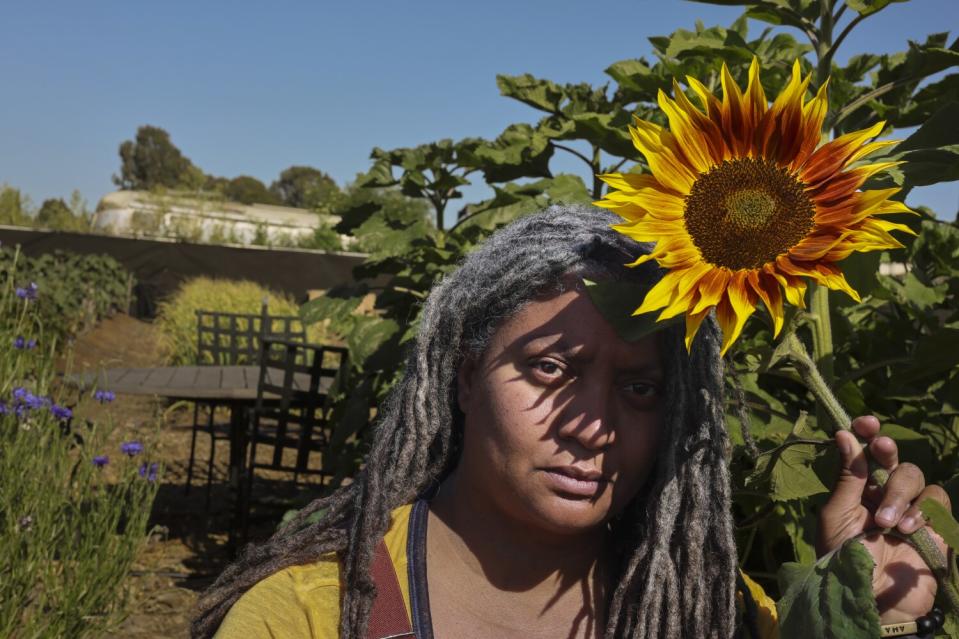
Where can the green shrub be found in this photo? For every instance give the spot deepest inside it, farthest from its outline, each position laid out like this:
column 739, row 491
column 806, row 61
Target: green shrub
column 176, row 317
column 77, row 290
column 71, row 520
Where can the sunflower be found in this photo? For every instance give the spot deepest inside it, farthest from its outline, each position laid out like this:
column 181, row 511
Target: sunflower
column 743, row 202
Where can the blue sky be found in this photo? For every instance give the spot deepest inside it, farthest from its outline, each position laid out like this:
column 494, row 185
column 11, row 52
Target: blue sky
column 254, row 87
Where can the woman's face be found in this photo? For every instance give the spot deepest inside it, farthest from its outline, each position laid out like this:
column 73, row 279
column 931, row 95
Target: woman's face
column 562, row 417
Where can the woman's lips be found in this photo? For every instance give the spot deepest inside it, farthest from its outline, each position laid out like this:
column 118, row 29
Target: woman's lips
column 575, row 481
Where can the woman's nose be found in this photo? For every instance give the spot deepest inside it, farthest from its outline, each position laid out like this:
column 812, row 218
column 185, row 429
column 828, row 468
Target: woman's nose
column 588, row 419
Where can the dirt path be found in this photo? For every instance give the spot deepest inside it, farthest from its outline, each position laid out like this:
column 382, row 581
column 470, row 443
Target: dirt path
column 187, row 549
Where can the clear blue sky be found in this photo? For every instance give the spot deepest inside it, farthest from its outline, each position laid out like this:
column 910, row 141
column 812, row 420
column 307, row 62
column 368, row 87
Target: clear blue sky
column 254, row 87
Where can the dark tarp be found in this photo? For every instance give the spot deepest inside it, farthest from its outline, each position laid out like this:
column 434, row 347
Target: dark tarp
column 160, row 266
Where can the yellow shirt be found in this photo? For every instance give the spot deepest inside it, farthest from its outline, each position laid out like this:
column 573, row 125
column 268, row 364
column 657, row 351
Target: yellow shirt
column 302, row 602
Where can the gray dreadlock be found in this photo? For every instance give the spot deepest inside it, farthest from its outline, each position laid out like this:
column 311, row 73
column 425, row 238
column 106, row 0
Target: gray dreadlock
column 676, row 552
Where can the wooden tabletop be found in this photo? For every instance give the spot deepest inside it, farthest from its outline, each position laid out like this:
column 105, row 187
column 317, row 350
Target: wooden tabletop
column 184, row 382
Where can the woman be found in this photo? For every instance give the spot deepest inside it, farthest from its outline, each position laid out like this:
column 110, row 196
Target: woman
column 573, row 484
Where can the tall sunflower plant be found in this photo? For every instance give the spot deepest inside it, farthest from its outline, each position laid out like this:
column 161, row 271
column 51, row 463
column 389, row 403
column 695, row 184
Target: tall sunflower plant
column 747, row 203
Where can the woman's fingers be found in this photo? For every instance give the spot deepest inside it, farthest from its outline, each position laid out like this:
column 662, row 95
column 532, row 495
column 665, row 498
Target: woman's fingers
column 866, row 426
column 906, row 483
column 841, row 516
column 885, row 452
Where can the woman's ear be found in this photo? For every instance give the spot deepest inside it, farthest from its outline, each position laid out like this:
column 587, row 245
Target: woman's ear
column 464, row 382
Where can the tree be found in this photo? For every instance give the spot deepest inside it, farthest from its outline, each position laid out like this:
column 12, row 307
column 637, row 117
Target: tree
column 151, row 161
column 15, row 208
column 304, row 187
column 249, row 190
column 56, row 214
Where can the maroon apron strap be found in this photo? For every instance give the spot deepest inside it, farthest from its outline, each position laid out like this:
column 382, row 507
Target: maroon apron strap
column 388, row 618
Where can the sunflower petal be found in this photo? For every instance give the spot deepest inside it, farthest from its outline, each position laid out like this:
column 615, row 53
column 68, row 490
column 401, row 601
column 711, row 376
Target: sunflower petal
column 688, row 137
column 660, row 150
column 684, row 292
column 711, row 289
column 630, row 181
column 660, row 294
column 731, row 321
column 693, row 322
column 835, row 154
column 734, row 124
column 768, row 290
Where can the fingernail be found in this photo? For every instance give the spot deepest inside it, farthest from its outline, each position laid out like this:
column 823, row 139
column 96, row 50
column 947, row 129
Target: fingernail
column 888, row 515
column 908, row 524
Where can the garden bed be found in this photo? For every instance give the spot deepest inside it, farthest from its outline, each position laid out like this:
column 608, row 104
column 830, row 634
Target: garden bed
column 186, row 552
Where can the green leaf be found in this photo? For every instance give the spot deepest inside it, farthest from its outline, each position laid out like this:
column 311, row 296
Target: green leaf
column 914, row 447
column 787, row 469
column 617, row 301
column 366, row 337
column 860, row 270
column 336, row 309
column 539, row 94
column 832, row 598
column 799, row 522
column 869, row 7
column 942, row 521
column 607, row 131
column 934, row 354
column 637, row 77
column 939, row 130
column 519, row 151
column 512, row 201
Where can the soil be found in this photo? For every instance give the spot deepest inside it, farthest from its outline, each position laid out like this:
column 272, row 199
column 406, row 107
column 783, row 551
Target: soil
column 188, row 546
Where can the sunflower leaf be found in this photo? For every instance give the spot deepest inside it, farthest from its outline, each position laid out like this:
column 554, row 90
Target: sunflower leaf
column 942, row 521
column 869, row 7
column 831, row 598
column 787, row 470
column 616, row 302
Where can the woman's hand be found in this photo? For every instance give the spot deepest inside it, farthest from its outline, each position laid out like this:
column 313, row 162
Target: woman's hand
column 904, row 585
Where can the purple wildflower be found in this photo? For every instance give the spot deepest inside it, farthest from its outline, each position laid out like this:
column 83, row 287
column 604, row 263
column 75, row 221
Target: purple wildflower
column 31, row 344
column 104, row 396
column 61, row 412
column 25, row 400
column 19, row 342
column 3, row 408
column 25, row 523
column 151, row 472
column 131, row 449
column 100, row 461
column 28, row 292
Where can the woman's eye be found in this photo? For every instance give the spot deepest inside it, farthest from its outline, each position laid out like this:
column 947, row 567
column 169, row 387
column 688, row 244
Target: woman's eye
column 642, row 390
column 547, row 368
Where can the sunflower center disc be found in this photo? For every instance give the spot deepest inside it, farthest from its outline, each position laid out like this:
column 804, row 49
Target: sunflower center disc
column 745, row 212
column 750, row 208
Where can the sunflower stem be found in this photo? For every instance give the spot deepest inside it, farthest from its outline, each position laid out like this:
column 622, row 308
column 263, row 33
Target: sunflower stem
column 822, row 332
column 816, row 383
column 921, row 539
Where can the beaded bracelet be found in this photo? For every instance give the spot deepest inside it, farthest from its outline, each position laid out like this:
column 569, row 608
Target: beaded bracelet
column 921, row 628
